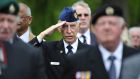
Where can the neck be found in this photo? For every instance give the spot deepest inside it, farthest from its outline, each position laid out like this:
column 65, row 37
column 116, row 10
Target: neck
column 111, row 46
column 71, row 42
column 21, row 32
column 82, row 31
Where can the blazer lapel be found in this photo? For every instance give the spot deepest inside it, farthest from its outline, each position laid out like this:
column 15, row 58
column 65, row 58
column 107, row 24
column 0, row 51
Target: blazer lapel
column 59, row 57
column 93, row 39
column 80, row 45
column 60, row 48
column 31, row 36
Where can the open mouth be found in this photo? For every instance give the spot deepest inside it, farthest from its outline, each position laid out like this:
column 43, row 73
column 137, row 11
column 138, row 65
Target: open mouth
column 19, row 24
column 69, row 37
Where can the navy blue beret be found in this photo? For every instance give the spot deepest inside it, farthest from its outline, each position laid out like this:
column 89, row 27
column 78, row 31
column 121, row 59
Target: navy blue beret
column 107, row 10
column 68, row 14
column 9, row 7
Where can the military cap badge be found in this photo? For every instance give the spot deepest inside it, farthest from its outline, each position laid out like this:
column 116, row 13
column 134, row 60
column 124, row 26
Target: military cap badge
column 109, row 11
column 11, row 8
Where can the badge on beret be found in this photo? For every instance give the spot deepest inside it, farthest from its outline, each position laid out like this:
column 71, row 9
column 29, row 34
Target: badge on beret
column 109, row 11
column 75, row 15
column 11, row 8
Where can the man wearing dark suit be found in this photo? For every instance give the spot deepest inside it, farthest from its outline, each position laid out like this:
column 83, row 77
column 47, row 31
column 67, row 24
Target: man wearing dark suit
column 55, row 52
column 104, row 61
column 17, row 59
column 85, row 34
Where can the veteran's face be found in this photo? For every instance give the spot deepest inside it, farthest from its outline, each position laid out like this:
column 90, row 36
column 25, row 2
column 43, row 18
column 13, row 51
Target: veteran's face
column 69, row 31
column 8, row 26
column 84, row 17
column 24, row 19
column 135, row 38
column 109, row 29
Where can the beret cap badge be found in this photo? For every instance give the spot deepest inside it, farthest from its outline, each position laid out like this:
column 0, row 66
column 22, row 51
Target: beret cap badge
column 75, row 15
column 11, row 8
column 109, row 11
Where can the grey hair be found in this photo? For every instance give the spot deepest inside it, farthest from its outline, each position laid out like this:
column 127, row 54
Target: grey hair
column 136, row 28
column 28, row 10
column 82, row 4
column 122, row 21
column 17, row 18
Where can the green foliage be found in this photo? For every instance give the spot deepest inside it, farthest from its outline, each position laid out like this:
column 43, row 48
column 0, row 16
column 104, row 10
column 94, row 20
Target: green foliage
column 45, row 13
column 134, row 12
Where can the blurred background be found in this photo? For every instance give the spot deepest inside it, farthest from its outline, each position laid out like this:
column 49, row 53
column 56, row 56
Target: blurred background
column 45, row 12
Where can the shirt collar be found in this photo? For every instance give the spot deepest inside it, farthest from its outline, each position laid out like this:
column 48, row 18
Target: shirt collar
column 118, row 53
column 87, row 34
column 74, row 45
column 25, row 36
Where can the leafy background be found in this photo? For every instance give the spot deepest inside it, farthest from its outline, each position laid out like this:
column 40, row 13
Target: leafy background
column 45, row 12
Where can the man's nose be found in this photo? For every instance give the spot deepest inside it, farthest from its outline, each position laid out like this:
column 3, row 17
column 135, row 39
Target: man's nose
column 5, row 24
column 69, row 29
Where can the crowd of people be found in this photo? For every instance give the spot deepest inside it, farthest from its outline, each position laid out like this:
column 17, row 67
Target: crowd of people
column 92, row 46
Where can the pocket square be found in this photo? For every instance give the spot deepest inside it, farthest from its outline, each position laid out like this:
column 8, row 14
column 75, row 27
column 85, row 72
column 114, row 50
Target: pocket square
column 55, row 63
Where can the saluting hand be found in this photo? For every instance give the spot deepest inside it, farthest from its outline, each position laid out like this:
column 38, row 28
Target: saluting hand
column 49, row 30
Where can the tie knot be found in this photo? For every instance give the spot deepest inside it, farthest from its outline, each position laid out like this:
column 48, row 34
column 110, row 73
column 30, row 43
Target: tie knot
column 83, row 36
column 111, row 58
column 84, row 39
column 69, row 47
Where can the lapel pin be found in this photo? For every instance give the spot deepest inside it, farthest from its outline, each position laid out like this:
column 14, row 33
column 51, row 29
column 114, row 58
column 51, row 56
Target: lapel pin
column 61, row 51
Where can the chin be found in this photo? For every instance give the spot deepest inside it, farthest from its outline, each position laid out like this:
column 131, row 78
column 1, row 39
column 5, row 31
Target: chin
column 107, row 40
column 70, row 41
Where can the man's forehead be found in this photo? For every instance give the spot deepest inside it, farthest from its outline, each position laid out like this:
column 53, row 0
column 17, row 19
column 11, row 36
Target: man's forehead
column 70, row 23
column 80, row 8
column 6, row 15
column 117, row 18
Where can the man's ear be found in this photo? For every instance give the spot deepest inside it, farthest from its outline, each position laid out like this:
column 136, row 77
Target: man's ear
column 29, row 20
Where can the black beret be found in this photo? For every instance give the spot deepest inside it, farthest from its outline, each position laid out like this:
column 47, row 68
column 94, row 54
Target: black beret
column 9, row 7
column 107, row 10
column 68, row 14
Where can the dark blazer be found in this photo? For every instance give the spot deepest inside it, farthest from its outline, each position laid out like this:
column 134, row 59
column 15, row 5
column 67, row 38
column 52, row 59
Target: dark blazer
column 24, row 61
column 54, row 54
column 93, row 39
column 91, row 62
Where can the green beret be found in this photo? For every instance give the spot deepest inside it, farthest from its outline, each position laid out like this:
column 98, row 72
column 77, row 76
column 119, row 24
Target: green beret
column 107, row 10
column 9, row 7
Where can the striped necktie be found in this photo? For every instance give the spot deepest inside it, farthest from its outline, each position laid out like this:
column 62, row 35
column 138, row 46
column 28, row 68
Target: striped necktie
column 84, row 39
column 69, row 47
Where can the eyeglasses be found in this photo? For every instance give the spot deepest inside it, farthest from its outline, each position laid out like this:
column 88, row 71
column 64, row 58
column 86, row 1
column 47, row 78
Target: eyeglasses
column 79, row 15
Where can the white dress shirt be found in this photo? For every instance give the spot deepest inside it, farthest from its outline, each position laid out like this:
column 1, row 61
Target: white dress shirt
column 118, row 53
column 87, row 35
column 1, row 55
column 74, row 45
column 25, row 36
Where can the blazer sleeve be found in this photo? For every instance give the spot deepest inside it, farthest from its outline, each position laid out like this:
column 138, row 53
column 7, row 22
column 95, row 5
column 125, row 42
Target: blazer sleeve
column 39, row 66
column 35, row 42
